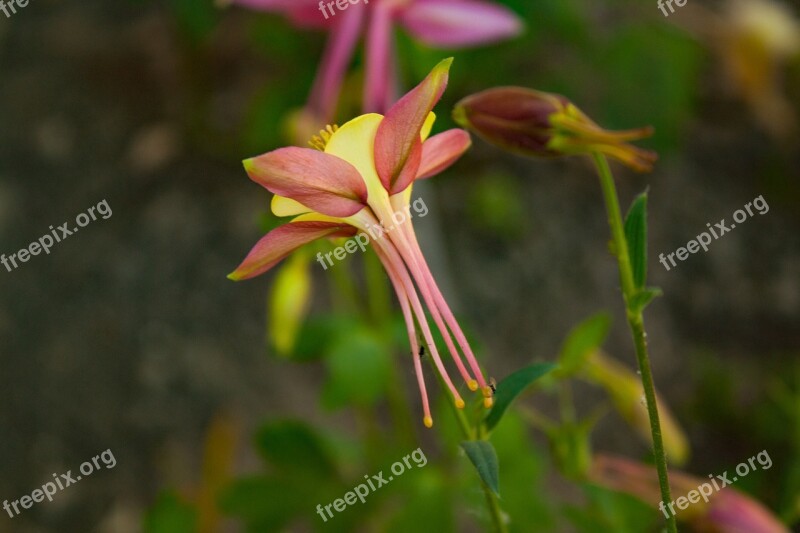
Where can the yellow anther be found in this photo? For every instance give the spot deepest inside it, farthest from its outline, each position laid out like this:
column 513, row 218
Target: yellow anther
column 473, row 385
column 460, row 403
column 319, row 142
column 428, row 421
column 488, row 402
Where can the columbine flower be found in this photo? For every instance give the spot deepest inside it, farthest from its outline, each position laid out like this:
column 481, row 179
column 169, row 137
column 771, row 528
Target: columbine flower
column 539, row 124
column 362, row 175
column 437, row 23
column 726, row 510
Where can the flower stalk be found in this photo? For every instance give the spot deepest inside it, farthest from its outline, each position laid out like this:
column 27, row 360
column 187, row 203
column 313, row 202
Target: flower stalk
column 636, row 323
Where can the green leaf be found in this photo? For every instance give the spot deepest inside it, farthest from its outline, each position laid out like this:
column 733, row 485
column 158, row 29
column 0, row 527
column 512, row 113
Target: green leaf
column 266, row 503
column 482, row 455
column 643, row 298
column 636, row 235
column 585, row 337
column 511, row 387
column 293, row 447
column 359, row 366
column 170, row 514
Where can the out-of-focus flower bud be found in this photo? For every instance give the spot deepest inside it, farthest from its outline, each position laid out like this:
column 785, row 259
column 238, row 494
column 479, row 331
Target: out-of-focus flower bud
column 717, row 511
column 625, row 389
column 539, row 124
column 289, row 301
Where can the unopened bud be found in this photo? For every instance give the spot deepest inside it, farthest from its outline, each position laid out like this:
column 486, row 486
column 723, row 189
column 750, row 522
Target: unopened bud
column 539, row 124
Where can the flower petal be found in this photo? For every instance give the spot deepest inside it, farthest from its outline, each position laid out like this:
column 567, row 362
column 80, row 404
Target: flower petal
column 318, row 180
column 441, row 151
column 397, row 144
column 454, row 24
column 282, row 241
column 286, row 207
column 354, row 142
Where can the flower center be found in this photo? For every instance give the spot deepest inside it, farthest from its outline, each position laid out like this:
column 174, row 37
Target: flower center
column 319, row 142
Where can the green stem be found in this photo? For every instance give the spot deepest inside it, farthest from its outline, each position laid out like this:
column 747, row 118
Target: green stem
column 469, row 434
column 636, row 324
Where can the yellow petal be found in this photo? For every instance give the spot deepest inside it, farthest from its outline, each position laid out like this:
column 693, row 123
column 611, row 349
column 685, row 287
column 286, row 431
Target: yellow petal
column 286, row 207
column 354, row 142
column 427, row 126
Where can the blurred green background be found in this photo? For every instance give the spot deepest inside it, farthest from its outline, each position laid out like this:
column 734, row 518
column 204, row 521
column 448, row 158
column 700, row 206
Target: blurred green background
column 129, row 337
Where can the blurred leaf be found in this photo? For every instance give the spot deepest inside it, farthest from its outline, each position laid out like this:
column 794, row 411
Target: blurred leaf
column 293, row 447
column 171, row 514
column 316, row 334
column 359, row 368
column 484, row 459
column 427, row 501
column 525, row 497
column 636, row 235
column 581, row 341
column 571, row 447
column 289, row 302
column 626, row 392
column 195, row 17
column 511, row 387
column 267, row 504
column 612, row 511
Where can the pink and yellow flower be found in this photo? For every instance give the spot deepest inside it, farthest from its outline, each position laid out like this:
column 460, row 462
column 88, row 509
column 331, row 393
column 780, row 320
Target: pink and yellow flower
column 357, row 178
column 442, row 24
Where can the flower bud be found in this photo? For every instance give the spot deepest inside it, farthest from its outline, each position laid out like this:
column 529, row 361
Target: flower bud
column 539, row 124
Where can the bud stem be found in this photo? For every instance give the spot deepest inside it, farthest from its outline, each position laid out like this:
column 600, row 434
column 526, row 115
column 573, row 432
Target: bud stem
column 636, row 324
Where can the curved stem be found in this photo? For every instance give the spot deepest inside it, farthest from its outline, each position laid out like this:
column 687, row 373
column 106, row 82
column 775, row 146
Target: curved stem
column 636, row 324
column 491, row 499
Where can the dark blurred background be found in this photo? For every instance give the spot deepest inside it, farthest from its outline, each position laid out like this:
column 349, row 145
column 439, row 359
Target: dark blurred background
column 128, row 336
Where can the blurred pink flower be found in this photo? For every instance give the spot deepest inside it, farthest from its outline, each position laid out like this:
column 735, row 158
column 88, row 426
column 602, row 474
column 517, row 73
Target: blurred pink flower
column 727, row 510
column 437, row 23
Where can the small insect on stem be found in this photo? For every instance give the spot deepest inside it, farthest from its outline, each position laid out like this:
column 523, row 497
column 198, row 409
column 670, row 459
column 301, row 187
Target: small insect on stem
column 493, row 386
column 421, row 351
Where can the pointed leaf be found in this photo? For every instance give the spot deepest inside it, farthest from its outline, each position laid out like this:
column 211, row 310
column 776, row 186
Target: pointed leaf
column 484, row 458
column 636, row 235
column 581, row 341
column 511, row 387
column 321, row 181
